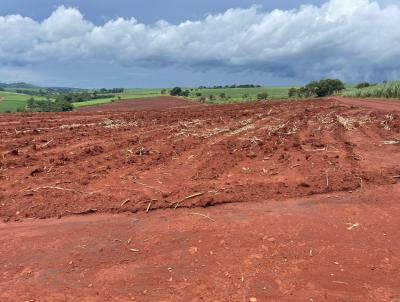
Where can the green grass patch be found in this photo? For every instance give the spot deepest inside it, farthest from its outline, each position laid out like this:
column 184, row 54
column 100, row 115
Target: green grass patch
column 11, row 101
column 128, row 94
column 233, row 95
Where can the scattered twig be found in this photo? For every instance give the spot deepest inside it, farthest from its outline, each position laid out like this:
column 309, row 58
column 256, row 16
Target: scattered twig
column 44, row 145
column 147, row 186
column 327, row 179
column 125, row 202
column 84, row 212
column 361, row 181
column 134, row 250
column 205, row 216
column 352, row 226
column 64, row 182
column 148, row 207
column 186, row 198
column 396, row 176
column 392, row 142
column 57, row 188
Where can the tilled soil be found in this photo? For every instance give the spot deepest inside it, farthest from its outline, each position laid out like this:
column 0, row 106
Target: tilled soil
column 55, row 165
column 318, row 176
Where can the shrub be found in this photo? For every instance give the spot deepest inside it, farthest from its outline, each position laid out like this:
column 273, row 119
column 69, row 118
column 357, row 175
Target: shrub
column 293, row 92
column 185, row 93
column 363, row 85
column 49, row 105
column 176, row 91
column 324, row 87
column 262, row 95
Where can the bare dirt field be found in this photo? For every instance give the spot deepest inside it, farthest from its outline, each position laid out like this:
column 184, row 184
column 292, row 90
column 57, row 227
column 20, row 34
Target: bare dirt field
column 266, row 201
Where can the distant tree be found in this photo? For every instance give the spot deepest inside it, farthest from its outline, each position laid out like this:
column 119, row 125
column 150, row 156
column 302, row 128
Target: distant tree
column 32, row 104
column 185, row 93
column 62, row 106
column 262, row 95
column 198, row 94
column 176, row 91
column 321, row 88
column 211, row 97
column 292, row 92
column 163, row 91
column 222, row 95
column 1, row 89
column 363, row 85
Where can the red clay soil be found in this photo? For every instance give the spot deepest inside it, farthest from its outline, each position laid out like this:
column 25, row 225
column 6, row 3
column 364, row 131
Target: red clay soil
column 378, row 104
column 308, row 194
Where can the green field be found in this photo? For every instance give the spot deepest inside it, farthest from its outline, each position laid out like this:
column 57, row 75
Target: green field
column 11, row 101
column 136, row 93
column 240, row 94
column 385, row 90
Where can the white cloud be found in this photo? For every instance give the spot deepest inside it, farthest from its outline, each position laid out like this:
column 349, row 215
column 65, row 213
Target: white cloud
column 353, row 39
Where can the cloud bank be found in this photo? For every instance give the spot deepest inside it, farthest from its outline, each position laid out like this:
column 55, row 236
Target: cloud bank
column 353, row 39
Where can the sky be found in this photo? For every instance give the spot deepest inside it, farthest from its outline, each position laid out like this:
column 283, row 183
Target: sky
column 158, row 43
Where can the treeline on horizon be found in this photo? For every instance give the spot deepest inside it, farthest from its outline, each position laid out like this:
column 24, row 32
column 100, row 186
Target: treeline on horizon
column 230, row 86
column 62, row 99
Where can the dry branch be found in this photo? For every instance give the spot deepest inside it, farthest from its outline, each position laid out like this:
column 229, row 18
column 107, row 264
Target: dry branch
column 125, row 202
column 148, row 207
column 186, row 198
